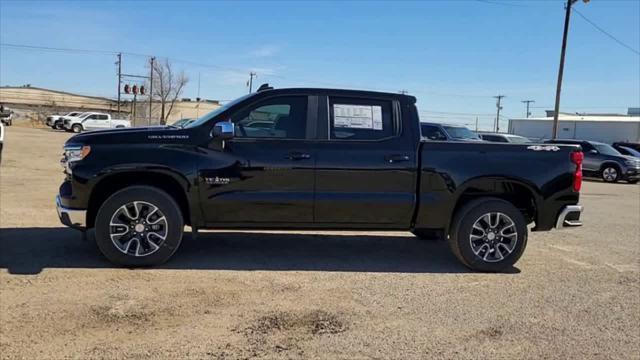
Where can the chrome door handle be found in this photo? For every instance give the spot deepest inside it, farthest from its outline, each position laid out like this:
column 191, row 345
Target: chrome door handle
column 394, row 158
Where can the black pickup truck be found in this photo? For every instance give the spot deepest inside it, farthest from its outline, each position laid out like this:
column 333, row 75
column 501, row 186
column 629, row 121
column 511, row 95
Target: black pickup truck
column 314, row 159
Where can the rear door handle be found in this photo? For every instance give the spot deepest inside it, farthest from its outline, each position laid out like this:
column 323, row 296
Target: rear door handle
column 298, row 156
column 394, row 158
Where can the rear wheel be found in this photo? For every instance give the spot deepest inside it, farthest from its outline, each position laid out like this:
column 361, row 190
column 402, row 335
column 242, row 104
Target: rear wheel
column 488, row 234
column 139, row 226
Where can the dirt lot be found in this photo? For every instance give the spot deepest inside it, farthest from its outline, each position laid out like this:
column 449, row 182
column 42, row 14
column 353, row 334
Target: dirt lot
column 228, row 295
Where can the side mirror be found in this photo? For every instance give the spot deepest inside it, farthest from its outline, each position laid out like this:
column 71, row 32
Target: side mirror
column 223, row 130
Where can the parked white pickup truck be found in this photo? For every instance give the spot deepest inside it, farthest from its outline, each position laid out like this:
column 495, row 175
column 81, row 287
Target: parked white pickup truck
column 93, row 121
column 55, row 121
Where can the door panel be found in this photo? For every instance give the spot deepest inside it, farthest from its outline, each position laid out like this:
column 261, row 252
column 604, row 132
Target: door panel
column 366, row 181
column 90, row 123
column 264, row 175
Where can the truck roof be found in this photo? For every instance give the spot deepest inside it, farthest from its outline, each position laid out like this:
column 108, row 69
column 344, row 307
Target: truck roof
column 341, row 92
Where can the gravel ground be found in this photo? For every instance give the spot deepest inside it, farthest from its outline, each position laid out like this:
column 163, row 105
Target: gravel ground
column 227, row 295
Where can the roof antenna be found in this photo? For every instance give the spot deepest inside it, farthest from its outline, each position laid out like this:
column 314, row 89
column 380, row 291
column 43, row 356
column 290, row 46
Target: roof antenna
column 264, row 87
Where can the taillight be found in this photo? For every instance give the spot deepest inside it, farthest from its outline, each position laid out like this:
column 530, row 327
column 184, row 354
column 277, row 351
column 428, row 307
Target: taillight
column 577, row 157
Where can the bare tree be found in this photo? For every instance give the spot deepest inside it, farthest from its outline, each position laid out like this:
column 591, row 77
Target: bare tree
column 167, row 87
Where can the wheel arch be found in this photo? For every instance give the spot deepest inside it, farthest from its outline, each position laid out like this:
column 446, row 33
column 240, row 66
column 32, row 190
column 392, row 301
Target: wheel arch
column 521, row 194
column 170, row 183
column 610, row 163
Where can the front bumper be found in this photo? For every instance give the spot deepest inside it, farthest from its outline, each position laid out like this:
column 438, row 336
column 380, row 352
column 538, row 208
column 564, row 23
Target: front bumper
column 632, row 174
column 569, row 217
column 75, row 218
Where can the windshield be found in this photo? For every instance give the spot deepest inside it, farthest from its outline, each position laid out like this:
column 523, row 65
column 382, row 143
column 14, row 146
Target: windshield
column 631, row 151
column 459, row 132
column 606, row 149
column 203, row 119
column 518, row 140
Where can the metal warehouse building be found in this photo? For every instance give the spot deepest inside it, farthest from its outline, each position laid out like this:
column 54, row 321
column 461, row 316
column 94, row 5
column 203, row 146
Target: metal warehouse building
column 606, row 128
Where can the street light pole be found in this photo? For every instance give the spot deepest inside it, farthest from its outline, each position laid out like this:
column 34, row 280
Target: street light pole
column 556, row 111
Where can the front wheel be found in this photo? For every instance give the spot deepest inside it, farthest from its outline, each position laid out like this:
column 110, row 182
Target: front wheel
column 488, row 234
column 76, row 128
column 139, row 226
column 610, row 174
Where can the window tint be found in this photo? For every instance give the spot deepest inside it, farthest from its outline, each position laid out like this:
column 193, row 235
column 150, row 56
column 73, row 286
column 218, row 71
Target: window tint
column 461, row 133
column 282, row 117
column 432, row 132
column 103, row 117
column 494, row 138
column 360, row 119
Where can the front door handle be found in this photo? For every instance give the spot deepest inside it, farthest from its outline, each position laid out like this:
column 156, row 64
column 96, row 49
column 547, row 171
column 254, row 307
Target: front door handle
column 394, row 158
column 298, row 156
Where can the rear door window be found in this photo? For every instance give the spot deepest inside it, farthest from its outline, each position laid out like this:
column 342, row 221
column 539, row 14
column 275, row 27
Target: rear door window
column 360, row 119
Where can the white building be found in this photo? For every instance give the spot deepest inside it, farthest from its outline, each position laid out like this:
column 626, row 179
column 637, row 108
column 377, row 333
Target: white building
column 606, row 128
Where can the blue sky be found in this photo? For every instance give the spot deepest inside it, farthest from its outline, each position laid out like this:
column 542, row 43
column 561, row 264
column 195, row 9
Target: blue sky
column 453, row 55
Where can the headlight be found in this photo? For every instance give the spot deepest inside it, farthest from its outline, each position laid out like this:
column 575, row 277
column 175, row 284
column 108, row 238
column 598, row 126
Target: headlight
column 76, row 153
column 73, row 153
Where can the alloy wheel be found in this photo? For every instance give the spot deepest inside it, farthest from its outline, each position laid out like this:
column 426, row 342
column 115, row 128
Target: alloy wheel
column 138, row 228
column 610, row 174
column 493, row 236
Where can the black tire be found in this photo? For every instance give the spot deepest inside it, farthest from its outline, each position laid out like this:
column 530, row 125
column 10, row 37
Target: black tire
column 145, row 194
column 462, row 228
column 57, row 126
column 77, row 128
column 610, row 173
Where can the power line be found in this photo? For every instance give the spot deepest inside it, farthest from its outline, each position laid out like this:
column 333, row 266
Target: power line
column 494, row 2
column 226, row 68
column 606, row 33
column 455, row 113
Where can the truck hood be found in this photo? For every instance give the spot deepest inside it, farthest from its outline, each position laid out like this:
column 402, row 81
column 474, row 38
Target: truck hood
column 152, row 134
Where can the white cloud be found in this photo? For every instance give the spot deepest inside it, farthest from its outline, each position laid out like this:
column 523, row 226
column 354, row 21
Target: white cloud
column 265, row 51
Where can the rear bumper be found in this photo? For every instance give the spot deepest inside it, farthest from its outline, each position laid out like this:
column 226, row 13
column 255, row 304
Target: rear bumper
column 75, row 218
column 569, row 217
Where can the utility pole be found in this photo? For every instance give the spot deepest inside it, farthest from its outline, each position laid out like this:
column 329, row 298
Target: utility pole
column 528, row 102
column 151, row 88
column 498, row 107
column 251, row 76
column 119, row 79
column 556, row 111
column 198, row 99
column 476, row 124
